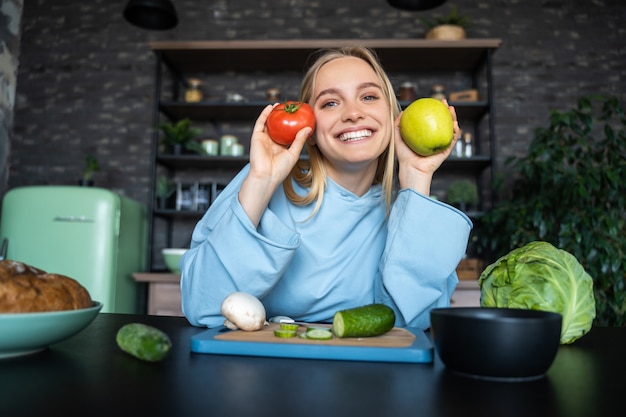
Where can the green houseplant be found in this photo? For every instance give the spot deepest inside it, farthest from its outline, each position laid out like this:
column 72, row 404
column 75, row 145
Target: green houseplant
column 451, row 27
column 164, row 189
column 570, row 190
column 180, row 136
column 91, row 167
column 462, row 193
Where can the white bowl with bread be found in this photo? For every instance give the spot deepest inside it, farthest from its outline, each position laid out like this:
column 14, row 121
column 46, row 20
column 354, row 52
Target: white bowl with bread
column 38, row 309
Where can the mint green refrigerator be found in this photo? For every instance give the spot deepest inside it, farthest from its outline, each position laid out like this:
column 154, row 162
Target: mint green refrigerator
column 93, row 235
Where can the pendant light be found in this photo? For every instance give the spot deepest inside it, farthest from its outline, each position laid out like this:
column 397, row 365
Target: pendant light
column 151, row 14
column 415, row 5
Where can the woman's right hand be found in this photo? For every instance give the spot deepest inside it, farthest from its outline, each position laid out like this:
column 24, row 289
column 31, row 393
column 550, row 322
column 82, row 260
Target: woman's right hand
column 268, row 159
column 270, row 164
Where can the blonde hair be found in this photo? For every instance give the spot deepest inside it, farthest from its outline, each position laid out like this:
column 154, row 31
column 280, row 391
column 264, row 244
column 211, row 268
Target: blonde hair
column 311, row 173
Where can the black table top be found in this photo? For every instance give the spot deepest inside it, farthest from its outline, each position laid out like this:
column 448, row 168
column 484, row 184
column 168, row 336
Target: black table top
column 88, row 375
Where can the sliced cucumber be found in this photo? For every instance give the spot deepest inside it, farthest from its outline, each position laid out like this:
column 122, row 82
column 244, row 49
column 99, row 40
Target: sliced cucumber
column 365, row 321
column 289, row 326
column 319, row 334
column 308, row 329
column 283, row 333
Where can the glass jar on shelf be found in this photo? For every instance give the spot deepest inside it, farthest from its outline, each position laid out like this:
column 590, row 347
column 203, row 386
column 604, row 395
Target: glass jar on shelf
column 407, row 91
column 226, row 144
column 459, row 152
column 467, row 139
column 272, row 95
column 193, row 93
column 438, row 91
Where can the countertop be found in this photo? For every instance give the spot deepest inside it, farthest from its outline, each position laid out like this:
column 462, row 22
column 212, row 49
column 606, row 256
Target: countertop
column 88, row 375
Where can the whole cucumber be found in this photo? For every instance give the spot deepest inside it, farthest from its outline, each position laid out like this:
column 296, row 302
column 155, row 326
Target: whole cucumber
column 144, row 342
column 365, row 321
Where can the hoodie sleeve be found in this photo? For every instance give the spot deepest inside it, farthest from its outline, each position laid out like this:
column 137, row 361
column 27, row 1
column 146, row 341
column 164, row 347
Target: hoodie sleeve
column 425, row 242
column 225, row 244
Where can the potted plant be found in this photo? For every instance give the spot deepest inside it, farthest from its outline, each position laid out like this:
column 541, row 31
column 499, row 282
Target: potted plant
column 451, row 27
column 179, row 136
column 164, row 189
column 462, row 194
column 570, row 191
column 91, row 166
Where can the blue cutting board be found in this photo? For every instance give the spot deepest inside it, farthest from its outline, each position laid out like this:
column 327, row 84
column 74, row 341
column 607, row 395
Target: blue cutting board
column 398, row 345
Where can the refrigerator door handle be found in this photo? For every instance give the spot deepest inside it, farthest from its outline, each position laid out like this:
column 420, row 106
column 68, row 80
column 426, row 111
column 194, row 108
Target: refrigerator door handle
column 73, row 219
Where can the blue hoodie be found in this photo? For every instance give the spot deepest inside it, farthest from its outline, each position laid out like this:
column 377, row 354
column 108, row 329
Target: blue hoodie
column 348, row 255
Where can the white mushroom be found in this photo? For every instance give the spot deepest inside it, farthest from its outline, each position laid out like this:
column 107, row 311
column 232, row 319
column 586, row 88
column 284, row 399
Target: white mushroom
column 243, row 311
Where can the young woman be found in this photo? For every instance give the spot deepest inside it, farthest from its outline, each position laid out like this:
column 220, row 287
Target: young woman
column 311, row 237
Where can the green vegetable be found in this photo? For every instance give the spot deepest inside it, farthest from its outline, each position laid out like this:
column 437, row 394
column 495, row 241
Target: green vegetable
column 319, row 334
column 144, row 342
column 538, row 276
column 365, row 321
column 289, row 326
column 316, row 330
column 311, row 328
column 285, row 333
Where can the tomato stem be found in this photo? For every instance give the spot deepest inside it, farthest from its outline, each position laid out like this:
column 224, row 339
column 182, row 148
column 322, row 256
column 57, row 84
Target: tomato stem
column 292, row 107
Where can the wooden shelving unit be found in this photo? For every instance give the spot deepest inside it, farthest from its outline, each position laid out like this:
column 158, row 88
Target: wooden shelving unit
column 177, row 59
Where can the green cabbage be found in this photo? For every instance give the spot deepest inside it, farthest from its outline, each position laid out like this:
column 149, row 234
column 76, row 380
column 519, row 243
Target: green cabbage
column 539, row 276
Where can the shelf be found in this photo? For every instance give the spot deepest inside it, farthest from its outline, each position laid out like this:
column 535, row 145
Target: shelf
column 261, row 59
column 164, row 297
column 472, row 111
column 157, row 277
column 179, row 214
column 291, row 55
column 214, row 111
column 202, row 161
column 197, row 215
column 474, row 164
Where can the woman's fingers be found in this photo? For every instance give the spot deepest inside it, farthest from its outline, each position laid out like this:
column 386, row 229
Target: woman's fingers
column 259, row 125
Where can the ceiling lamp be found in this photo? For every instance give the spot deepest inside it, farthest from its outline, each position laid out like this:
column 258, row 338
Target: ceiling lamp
column 415, row 5
column 151, row 14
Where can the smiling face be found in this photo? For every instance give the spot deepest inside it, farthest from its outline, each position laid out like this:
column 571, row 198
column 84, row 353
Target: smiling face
column 352, row 115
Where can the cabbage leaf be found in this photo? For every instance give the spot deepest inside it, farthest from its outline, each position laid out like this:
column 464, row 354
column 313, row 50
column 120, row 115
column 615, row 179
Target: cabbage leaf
column 539, row 276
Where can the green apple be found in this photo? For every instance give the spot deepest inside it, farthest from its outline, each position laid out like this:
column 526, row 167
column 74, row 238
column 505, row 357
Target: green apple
column 426, row 126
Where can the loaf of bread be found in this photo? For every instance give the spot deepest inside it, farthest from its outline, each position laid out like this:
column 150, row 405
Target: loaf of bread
column 24, row 288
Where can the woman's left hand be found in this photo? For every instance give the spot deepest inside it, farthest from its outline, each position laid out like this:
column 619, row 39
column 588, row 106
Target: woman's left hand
column 416, row 171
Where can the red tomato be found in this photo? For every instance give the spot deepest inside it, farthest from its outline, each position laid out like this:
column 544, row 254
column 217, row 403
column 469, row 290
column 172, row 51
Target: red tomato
column 287, row 119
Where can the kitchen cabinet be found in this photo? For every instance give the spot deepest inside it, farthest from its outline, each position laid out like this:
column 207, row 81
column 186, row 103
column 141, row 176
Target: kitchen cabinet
column 249, row 68
column 163, row 293
column 467, row 294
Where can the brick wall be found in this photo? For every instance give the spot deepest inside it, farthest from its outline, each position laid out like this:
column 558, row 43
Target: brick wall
column 10, row 16
column 85, row 80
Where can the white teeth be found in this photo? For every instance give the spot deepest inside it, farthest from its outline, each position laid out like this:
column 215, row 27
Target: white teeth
column 358, row 135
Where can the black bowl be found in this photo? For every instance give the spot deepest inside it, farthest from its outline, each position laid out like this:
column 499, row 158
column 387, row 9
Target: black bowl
column 496, row 343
